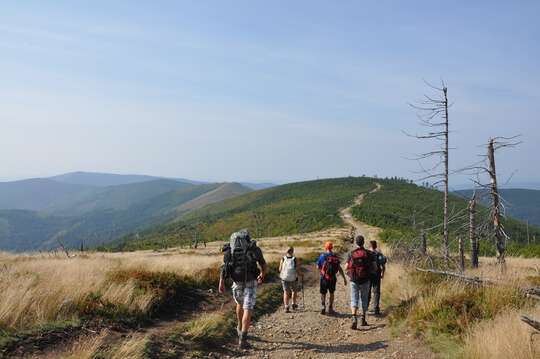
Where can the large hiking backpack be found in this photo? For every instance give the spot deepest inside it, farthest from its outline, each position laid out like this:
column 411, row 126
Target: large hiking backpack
column 330, row 267
column 240, row 259
column 359, row 265
column 288, row 269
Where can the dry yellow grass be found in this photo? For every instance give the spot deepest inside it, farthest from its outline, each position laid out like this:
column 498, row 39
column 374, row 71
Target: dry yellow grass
column 83, row 348
column 517, row 269
column 397, row 285
column 133, row 348
column 504, row 337
column 39, row 288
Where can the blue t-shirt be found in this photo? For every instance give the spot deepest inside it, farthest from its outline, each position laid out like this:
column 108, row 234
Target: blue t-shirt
column 322, row 259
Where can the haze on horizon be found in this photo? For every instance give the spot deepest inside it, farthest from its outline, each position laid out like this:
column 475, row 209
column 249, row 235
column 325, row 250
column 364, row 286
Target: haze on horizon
column 251, row 91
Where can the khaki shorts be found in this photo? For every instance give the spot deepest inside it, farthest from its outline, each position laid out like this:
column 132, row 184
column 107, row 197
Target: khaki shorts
column 290, row 286
column 245, row 294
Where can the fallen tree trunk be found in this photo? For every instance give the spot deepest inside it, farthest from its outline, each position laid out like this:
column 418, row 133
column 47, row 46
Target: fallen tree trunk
column 473, row 280
column 533, row 296
column 533, row 323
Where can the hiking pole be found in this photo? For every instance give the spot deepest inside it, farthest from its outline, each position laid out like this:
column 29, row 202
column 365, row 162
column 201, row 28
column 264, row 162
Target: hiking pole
column 303, row 298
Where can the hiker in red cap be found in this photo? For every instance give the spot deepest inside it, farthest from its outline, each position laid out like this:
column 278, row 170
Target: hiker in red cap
column 329, row 266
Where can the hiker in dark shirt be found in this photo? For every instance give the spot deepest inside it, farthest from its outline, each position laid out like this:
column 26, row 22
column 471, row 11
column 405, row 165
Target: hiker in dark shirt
column 329, row 266
column 360, row 266
column 240, row 259
column 376, row 277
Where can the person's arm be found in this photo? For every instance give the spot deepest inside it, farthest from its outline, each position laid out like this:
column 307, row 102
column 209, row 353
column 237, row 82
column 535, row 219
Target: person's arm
column 263, row 265
column 221, row 287
column 262, row 275
column 319, row 261
column 342, row 275
column 383, row 267
column 280, row 264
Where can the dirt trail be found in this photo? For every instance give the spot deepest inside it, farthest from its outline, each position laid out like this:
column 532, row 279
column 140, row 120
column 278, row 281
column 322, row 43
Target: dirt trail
column 308, row 334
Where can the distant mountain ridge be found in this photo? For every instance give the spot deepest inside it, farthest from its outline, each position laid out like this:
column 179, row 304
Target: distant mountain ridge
column 92, row 209
column 520, row 203
column 100, row 179
column 108, row 179
column 38, row 194
column 75, row 190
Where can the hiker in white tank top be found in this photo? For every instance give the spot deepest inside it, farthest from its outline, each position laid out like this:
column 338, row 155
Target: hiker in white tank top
column 288, row 273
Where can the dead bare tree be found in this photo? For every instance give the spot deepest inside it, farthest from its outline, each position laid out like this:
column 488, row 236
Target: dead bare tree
column 423, row 246
column 433, row 114
column 528, row 236
column 473, row 238
column 488, row 166
column 461, row 254
column 66, row 251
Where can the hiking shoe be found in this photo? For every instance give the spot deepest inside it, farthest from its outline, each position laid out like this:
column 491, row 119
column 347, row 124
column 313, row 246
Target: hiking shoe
column 377, row 311
column 295, row 306
column 323, row 310
column 242, row 341
column 287, row 310
column 354, row 323
column 243, row 344
column 364, row 323
column 331, row 311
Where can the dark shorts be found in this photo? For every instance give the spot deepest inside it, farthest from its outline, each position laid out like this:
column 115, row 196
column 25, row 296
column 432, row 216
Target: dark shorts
column 328, row 286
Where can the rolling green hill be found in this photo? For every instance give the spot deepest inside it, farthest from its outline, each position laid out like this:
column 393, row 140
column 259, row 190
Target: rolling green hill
column 29, row 230
column 287, row 209
column 519, row 203
column 402, row 209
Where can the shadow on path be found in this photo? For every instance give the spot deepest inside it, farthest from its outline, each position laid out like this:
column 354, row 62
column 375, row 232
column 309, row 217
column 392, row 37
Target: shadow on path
column 320, row 348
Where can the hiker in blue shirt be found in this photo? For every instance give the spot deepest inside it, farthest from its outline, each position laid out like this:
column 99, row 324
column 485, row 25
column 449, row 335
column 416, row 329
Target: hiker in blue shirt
column 329, row 265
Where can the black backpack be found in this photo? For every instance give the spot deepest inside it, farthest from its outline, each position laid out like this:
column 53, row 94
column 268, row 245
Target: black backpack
column 241, row 265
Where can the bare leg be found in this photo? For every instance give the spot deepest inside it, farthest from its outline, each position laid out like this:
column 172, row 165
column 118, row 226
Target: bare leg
column 294, row 296
column 239, row 316
column 246, row 320
column 286, row 298
column 331, row 301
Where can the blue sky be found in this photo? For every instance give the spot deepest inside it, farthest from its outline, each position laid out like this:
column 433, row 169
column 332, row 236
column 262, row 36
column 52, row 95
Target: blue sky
column 253, row 90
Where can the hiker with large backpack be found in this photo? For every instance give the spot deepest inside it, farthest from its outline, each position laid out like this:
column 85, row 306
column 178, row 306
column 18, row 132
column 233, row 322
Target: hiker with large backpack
column 360, row 266
column 329, row 266
column 376, row 277
column 241, row 261
column 289, row 273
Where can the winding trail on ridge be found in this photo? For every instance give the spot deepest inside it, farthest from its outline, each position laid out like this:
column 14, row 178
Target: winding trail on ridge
column 308, row 334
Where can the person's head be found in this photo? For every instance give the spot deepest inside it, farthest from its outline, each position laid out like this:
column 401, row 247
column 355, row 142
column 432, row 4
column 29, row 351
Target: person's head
column 328, row 246
column 290, row 251
column 373, row 244
column 359, row 240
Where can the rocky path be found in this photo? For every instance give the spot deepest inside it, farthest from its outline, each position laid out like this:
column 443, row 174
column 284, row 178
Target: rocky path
column 308, row 334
